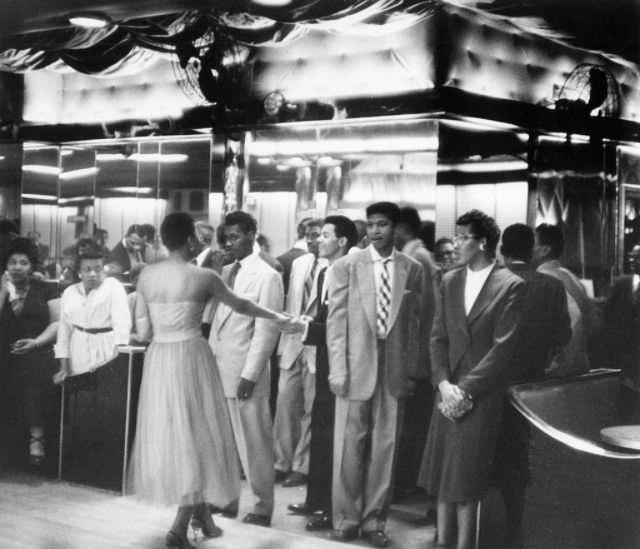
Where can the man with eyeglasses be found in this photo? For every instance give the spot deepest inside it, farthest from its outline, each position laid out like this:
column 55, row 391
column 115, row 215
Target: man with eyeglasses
column 471, row 347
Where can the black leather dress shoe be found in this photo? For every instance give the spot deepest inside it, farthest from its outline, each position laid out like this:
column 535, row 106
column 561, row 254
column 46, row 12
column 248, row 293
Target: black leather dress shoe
column 377, row 538
column 320, row 521
column 227, row 512
column 347, row 534
column 299, row 509
column 280, row 475
column 294, row 479
column 258, row 520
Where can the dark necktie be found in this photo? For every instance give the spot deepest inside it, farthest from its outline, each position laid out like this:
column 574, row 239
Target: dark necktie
column 384, row 300
column 233, row 273
column 321, row 293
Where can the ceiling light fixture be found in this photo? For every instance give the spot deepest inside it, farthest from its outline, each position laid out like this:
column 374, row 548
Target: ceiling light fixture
column 89, row 20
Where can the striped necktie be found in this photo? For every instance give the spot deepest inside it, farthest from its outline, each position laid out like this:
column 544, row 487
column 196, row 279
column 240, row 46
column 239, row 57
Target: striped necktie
column 384, row 300
column 308, row 284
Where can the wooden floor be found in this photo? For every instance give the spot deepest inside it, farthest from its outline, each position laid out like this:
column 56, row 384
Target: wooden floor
column 38, row 513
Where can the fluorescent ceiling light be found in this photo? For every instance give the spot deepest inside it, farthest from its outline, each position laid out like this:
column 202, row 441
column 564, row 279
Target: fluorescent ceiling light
column 482, row 167
column 47, row 197
column 161, row 158
column 290, row 147
column 131, row 190
column 41, row 168
column 110, row 157
column 77, row 174
column 75, row 199
column 89, row 20
column 274, row 3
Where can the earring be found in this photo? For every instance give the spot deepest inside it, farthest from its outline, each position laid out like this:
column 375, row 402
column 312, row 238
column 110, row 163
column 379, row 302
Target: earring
column 482, row 247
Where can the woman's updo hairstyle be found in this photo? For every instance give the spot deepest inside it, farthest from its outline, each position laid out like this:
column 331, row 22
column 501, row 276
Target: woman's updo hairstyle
column 176, row 229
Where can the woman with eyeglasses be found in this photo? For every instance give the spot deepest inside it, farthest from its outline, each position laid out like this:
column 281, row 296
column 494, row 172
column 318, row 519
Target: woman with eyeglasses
column 471, row 347
column 28, row 324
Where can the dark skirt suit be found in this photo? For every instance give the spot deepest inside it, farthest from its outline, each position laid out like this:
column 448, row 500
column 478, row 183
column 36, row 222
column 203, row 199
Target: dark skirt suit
column 473, row 352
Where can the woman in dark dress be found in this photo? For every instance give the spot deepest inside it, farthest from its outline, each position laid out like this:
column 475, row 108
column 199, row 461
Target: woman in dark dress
column 28, row 326
column 472, row 343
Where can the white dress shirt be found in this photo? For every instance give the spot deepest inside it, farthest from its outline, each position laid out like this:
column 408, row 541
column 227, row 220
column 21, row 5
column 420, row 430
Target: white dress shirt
column 473, row 285
column 105, row 307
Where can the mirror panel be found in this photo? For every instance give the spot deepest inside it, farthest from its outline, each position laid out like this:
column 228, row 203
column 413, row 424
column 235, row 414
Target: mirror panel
column 313, row 171
column 39, row 207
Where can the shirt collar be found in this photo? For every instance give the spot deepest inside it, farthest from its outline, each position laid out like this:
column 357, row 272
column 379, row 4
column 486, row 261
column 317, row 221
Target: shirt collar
column 481, row 272
column 375, row 256
column 247, row 260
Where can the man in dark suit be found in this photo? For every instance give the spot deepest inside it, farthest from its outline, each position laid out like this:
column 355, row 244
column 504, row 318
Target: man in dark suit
column 419, row 402
column 621, row 330
column 545, row 328
column 338, row 235
column 472, row 344
column 372, row 328
column 129, row 251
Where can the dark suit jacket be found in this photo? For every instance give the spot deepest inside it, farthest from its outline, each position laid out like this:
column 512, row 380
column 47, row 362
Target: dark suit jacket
column 545, row 326
column 317, row 336
column 120, row 256
column 622, row 330
column 474, row 351
column 286, row 260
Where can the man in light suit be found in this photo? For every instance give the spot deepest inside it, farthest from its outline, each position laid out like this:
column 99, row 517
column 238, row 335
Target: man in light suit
column 372, row 328
column 242, row 346
column 296, row 385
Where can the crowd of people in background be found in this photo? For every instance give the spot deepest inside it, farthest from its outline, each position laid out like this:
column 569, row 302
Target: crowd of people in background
column 367, row 362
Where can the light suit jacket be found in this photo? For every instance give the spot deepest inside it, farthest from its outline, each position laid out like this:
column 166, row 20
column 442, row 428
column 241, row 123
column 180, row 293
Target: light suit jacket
column 351, row 325
column 243, row 344
column 291, row 344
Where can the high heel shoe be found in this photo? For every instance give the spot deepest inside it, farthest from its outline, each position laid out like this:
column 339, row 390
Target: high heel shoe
column 36, row 449
column 174, row 541
column 208, row 531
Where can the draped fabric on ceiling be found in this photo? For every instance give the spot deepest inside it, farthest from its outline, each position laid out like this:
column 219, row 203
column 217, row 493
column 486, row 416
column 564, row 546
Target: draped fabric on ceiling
column 189, row 34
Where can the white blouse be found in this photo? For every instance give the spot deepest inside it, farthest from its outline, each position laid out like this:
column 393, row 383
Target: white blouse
column 105, row 307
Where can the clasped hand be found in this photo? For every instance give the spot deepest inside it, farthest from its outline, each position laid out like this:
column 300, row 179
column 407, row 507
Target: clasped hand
column 22, row 346
column 455, row 402
column 290, row 324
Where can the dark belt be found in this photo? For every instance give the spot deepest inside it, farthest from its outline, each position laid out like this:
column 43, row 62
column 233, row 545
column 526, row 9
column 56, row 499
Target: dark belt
column 93, row 330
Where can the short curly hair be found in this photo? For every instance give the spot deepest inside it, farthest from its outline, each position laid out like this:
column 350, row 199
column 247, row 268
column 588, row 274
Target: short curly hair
column 23, row 246
column 482, row 226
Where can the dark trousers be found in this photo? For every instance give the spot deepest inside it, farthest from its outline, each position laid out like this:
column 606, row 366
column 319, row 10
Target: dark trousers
column 321, row 455
column 413, row 438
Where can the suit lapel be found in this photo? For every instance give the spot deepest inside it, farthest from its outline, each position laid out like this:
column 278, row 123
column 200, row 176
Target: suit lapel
column 400, row 275
column 367, row 287
column 485, row 297
column 224, row 311
column 457, row 297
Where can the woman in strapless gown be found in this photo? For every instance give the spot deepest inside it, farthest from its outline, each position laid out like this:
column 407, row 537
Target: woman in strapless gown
column 184, row 451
